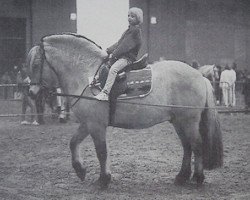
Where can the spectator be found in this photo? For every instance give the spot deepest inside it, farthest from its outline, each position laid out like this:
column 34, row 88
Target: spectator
column 23, row 82
column 227, row 84
column 217, row 89
column 195, row 64
column 246, row 92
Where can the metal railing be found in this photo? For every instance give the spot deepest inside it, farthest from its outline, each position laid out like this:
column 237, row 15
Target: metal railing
column 9, row 92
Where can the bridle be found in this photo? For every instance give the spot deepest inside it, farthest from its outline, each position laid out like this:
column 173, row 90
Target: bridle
column 43, row 86
column 41, row 82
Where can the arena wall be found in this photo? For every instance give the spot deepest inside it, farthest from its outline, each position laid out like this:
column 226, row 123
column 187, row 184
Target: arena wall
column 24, row 22
column 210, row 32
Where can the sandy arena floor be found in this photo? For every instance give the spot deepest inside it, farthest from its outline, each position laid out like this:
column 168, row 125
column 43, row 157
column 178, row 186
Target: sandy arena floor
column 36, row 163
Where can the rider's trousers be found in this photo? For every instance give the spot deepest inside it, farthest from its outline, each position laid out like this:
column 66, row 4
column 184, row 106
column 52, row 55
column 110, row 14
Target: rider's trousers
column 115, row 68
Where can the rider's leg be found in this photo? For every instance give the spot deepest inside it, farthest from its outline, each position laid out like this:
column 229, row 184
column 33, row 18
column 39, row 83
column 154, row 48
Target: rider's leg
column 115, row 68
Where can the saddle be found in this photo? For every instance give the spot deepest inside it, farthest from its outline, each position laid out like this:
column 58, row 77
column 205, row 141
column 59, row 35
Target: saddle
column 137, row 65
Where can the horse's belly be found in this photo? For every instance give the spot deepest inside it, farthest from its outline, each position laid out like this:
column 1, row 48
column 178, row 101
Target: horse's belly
column 138, row 117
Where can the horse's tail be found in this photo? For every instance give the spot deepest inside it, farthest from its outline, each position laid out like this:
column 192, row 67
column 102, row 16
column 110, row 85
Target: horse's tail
column 211, row 132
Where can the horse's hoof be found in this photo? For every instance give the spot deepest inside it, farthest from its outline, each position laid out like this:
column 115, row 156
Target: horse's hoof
column 104, row 181
column 80, row 171
column 180, row 180
column 198, row 179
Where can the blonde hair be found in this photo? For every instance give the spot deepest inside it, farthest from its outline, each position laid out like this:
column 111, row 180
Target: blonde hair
column 138, row 12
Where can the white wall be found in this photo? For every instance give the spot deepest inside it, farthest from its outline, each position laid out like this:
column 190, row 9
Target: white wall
column 102, row 21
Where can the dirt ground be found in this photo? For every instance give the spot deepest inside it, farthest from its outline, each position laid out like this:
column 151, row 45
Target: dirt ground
column 36, row 163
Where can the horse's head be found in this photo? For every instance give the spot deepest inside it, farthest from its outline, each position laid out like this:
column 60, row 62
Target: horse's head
column 42, row 77
column 64, row 61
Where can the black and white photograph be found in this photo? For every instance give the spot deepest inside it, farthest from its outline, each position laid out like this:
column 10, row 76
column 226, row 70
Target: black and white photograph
column 124, row 99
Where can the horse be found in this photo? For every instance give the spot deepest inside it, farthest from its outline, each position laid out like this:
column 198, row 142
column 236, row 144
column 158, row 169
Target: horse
column 75, row 59
column 212, row 73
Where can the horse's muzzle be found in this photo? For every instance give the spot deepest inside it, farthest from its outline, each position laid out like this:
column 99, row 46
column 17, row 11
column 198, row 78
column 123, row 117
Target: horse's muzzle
column 33, row 91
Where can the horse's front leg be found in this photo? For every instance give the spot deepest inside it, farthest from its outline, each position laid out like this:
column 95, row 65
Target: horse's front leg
column 40, row 104
column 98, row 133
column 75, row 142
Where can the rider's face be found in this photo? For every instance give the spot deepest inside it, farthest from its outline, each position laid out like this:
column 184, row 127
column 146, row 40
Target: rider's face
column 132, row 19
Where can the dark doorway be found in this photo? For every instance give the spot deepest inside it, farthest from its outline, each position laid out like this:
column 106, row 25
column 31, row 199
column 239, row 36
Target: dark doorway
column 12, row 42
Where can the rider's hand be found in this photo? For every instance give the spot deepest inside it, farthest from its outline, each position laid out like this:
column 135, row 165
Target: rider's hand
column 110, row 56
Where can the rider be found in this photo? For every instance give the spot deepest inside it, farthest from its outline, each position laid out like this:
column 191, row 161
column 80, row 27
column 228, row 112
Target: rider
column 123, row 52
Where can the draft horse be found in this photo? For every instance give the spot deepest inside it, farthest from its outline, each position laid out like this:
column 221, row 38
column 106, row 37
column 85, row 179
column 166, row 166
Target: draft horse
column 74, row 59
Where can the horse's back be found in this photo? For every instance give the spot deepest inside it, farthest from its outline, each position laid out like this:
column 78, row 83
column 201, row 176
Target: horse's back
column 175, row 71
column 179, row 83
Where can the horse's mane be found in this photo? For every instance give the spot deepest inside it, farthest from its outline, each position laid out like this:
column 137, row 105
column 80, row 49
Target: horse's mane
column 72, row 34
column 73, row 44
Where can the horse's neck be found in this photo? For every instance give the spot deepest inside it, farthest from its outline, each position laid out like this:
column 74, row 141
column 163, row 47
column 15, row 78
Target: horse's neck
column 75, row 73
column 74, row 58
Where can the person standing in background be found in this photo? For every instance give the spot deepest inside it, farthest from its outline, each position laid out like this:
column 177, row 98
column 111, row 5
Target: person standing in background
column 227, row 84
column 23, row 82
column 195, row 64
column 246, row 92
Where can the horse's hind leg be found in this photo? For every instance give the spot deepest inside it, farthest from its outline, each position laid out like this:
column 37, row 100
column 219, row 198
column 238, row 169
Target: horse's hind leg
column 185, row 171
column 98, row 133
column 198, row 175
column 192, row 131
column 75, row 142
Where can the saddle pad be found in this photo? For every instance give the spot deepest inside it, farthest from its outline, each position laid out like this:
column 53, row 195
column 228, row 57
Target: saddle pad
column 138, row 84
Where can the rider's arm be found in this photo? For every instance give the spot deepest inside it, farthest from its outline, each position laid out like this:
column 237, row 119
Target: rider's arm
column 130, row 41
column 112, row 48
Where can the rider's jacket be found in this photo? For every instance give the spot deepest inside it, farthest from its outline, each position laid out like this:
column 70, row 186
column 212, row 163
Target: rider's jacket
column 128, row 45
